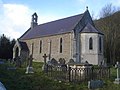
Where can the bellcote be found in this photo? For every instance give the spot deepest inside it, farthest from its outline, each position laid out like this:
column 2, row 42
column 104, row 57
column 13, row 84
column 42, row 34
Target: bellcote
column 34, row 20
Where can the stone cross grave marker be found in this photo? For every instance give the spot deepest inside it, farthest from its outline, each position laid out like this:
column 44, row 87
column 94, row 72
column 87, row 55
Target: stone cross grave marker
column 117, row 80
column 29, row 68
column 45, row 67
column 30, row 60
column 45, row 58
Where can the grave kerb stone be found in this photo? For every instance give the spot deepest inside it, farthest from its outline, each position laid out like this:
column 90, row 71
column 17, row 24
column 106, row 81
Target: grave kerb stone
column 95, row 84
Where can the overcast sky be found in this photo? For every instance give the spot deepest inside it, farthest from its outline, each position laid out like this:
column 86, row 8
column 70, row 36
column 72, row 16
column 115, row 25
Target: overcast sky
column 15, row 15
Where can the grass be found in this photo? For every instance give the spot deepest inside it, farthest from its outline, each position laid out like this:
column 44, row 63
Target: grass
column 109, row 85
column 18, row 80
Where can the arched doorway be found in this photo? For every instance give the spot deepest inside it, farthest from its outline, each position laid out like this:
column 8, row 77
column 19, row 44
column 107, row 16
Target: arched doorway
column 16, row 52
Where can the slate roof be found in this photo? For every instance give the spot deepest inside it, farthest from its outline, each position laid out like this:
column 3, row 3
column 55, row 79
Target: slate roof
column 90, row 29
column 51, row 28
column 23, row 46
column 58, row 27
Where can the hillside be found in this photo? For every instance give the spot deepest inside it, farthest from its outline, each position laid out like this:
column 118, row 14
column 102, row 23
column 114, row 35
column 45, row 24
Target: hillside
column 110, row 26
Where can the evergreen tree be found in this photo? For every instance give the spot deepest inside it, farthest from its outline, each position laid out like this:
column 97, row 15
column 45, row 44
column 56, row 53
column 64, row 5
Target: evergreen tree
column 6, row 47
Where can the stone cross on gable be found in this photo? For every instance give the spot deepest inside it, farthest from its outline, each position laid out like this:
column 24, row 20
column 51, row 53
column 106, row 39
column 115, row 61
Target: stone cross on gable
column 117, row 80
column 45, row 58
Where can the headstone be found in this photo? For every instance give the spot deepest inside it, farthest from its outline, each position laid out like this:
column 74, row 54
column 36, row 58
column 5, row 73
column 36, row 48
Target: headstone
column 64, row 67
column 29, row 68
column 49, row 63
column 18, row 61
column 86, row 63
column 71, row 61
column 14, row 60
column 2, row 86
column 62, row 61
column 104, row 62
column 45, row 67
column 11, row 68
column 54, row 62
column 95, row 84
column 117, row 80
column 2, row 61
column 62, row 64
column 9, row 60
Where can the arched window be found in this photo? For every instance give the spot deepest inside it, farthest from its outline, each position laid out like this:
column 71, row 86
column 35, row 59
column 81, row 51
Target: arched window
column 40, row 46
column 100, row 44
column 60, row 45
column 90, row 43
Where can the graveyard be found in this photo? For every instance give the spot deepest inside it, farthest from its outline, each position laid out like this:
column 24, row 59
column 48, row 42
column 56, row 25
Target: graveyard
column 17, row 79
column 73, row 47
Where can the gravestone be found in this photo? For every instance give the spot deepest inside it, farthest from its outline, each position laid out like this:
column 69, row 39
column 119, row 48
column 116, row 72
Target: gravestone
column 104, row 62
column 62, row 64
column 30, row 60
column 2, row 86
column 61, row 61
column 54, row 62
column 45, row 66
column 11, row 68
column 95, row 84
column 71, row 61
column 117, row 80
column 14, row 60
column 29, row 68
column 45, row 58
column 2, row 61
column 49, row 63
column 18, row 61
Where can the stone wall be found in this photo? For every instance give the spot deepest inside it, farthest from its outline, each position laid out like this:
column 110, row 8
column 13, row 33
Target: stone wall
column 55, row 47
column 93, row 56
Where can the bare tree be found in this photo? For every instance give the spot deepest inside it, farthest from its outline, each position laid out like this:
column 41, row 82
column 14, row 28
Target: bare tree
column 108, row 10
column 110, row 25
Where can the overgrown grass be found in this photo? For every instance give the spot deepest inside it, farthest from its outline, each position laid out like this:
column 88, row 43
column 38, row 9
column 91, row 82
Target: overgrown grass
column 18, row 80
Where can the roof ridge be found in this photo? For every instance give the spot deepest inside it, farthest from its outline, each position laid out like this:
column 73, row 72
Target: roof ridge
column 53, row 27
column 61, row 19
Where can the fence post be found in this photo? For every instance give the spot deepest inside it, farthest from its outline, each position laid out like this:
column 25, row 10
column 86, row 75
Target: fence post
column 108, row 72
column 92, row 72
column 69, row 77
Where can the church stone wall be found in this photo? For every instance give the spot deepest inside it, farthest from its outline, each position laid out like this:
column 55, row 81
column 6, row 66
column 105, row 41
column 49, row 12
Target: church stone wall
column 55, row 47
column 92, row 56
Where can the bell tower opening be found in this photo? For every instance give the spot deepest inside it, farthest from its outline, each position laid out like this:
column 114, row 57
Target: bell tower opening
column 34, row 20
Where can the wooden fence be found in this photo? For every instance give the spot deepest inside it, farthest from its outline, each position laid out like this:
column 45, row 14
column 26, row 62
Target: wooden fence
column 78, row 74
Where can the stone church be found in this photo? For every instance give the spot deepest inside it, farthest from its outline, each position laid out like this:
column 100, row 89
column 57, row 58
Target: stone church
column 74, row 37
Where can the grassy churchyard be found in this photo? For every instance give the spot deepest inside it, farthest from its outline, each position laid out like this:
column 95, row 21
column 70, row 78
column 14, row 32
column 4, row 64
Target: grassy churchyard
column 16, row 79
